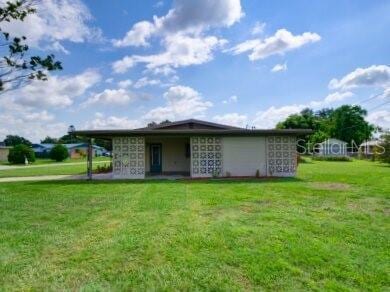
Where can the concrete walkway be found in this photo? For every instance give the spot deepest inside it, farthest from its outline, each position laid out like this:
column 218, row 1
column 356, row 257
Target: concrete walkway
column 43, row 178
column 6, row 167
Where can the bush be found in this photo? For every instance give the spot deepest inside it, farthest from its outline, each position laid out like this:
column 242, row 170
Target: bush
column 382, row 153
column 59, row 153
column 105, row 168
column 18, row 153
column 331, row 158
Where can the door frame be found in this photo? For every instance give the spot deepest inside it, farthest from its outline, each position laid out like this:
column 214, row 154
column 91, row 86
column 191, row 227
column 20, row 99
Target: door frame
column 151, row 157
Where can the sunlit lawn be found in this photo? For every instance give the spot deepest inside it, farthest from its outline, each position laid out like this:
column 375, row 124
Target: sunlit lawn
column 326, row 229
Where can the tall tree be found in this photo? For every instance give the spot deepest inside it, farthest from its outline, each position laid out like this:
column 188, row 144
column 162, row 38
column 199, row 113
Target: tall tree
column 13, row 140
column 347, row 123
column 16, row 68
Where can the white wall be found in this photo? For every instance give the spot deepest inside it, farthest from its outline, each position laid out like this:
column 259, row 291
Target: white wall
column 243, row 156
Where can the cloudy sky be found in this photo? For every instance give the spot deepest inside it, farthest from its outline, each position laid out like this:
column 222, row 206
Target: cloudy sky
column 245, row 62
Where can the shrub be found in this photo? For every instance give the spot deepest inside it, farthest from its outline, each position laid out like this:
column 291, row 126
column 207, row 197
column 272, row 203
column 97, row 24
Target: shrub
column 382, row 153
column 105, row 168
column 19, row 153
column 59, row 153
column 331, row 158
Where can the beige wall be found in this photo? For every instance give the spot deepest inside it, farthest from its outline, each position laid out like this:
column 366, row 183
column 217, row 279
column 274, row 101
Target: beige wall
column 243, row 156
column 173, row 154
column 4, row 154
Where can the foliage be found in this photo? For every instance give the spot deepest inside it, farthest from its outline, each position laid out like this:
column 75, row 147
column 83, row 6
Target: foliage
column 103, row 168
column 345, row 123
column 325, row 230
column 154, row 124
column 49, row 140
column 19, row 153
column 59, row 153
column 70, row 138
column 331, row 158
column 13, row 140
column 383, row 153
column 15, row 67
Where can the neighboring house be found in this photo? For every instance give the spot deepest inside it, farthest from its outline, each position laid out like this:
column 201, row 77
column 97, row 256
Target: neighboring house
column 368, row 147
column 75, row 150
column 4, row 151
column 200, row 149
column 332, row 147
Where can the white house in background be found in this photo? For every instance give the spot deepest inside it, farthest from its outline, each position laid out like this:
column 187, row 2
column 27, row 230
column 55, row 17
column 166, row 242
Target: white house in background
column 197, row 149
column 332, row 147
column 368, row 147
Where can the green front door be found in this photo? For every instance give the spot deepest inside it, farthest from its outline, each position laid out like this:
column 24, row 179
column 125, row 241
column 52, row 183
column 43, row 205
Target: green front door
column 155, row 158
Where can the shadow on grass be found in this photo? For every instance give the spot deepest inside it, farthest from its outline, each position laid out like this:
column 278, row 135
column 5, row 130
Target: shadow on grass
column 170, row 181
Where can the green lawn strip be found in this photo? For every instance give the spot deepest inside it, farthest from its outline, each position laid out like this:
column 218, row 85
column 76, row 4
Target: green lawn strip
column 50, row 170
column 282, row 234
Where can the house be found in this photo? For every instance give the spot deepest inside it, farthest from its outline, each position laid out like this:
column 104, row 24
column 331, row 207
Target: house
column 332, row 147
column 4, row 151
column 367, row 148
column 198, row 149
column 75, row 150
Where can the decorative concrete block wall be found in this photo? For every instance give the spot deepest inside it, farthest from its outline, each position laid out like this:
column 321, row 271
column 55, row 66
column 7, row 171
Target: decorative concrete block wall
column 128, row 159
column 206, row 156
column 281, row 156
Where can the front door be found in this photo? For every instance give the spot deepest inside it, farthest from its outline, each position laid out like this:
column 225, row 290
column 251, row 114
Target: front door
column 155, row 158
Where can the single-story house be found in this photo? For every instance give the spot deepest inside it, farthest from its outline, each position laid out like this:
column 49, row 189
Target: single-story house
column 198, row 149
column 75, row 150
column 368, row 147
column 332, row 147
column 4, row 151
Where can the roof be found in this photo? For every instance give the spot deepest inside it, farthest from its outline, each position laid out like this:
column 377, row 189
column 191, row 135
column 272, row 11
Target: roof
column 189, row 124
column 48, row 146
column 333, row 141
column 371, row 143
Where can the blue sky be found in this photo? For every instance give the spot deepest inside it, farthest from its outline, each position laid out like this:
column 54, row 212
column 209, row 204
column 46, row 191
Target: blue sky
column 244, row 62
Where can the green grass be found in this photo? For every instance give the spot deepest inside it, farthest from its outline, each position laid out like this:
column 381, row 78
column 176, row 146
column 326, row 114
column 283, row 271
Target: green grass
column 49, row 170
column 327, row 229
column 40, row 161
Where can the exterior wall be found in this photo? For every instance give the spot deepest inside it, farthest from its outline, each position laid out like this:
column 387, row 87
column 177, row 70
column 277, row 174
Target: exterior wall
column 4, row 154
column 244, row 156
column 173, row 154
column 128, row 157
column 281, row 156
column 206, row 156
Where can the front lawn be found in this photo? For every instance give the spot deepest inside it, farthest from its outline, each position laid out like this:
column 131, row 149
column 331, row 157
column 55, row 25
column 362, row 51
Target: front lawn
column 326, row 229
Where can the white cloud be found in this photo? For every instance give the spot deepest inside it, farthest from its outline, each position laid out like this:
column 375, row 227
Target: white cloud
column 233, row 119
column 375, row 75
column 258, row 28
column 279, row 68
column 125, row 83
column 181, row 102
column 270, row 117
column 381, row 118
column 182, row 32
column 180, row 51
column 112, row 122
column 137, row 36
column 55, row 21
column 231, row 99
column 185, row 17
column 337, row 96
column 280, row 43
column 55, row 92
column 111, row 97
column 145, row 81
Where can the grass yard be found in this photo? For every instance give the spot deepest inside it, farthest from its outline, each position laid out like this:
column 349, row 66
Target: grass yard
column 51, row 169
column 328, row 228
column 39, row 161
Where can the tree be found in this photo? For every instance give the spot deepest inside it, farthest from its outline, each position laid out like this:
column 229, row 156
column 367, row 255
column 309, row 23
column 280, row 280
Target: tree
column 16, row 69
column 347, row 123
column 13, row 140
column 19, row 153
column 59, row 153
column 49, row 140
column 382, row 153
column 70, row 138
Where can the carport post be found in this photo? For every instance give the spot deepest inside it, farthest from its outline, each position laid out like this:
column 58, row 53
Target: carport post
column 89, row 159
